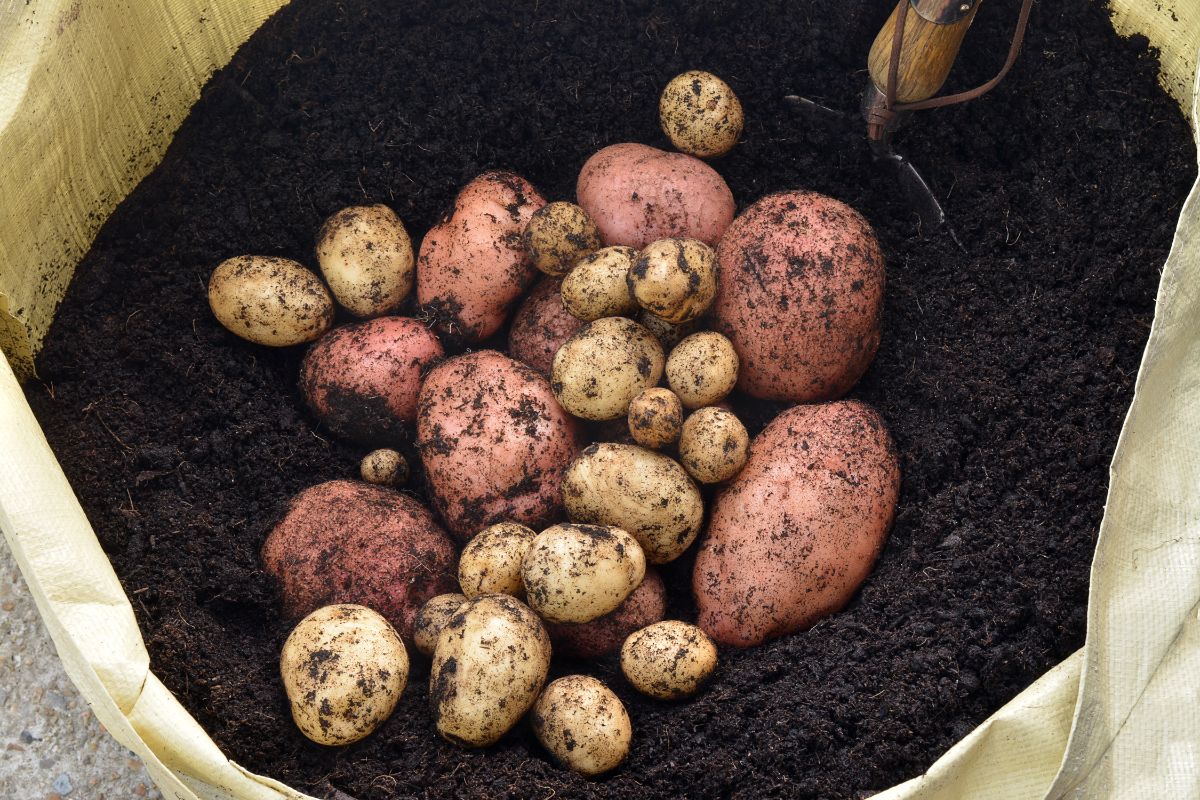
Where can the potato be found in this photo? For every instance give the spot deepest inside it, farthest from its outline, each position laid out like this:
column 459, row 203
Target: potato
column 384, row 467
column 269, row 300
column 349, row 542
column 655, row 418
column 367, row 258
column 600, row 369
column 541, row 325
column 668, row 335
column 362, row 379
column 795, row 534
column 344, row 669
column 583, row 725
column 596, row 287
column 702, row 369
column 638, row 490
column 491, row 561
column 577, row 573
column 645, row 605
column 675, row 279
column 700, row 114
column 433, row 616
column 473, row 264
column 639, row 194
column 801, row 294
column 489, row 665
column 558, row 235
column 714, row 445
column 668, row 660
column 494, row 442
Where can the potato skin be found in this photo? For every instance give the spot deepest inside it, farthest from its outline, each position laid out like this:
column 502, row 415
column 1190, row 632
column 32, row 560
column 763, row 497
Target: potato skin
column 645, row 605
column 491, row 561
column 713, row 445
column 558, row 235
column 702, row 369
column 269, row 300
column 384, row 467
column 655, row 418
column 597, row 287
column 583, row 724
column 541, row 325
column 599, row 370
column 361, row 380
column 473, row 265
column 578, row 573
column 794, row 535
column 674, row 279
column 432, row 617
column 700, row 114
column 638, row 194
column 367, row 258
column 494, row 442
column 801, row 281
column 668, row 660
column 351, row 542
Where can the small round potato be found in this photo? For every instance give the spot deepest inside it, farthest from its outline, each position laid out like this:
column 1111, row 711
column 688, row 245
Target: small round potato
column 668, row 335
column 675, row 279
column 655, row 418
column 597, row 286
column 577, row 573
column 700, row 114
column 269, row 300
column 668, row 660
column 367, row 258
column 558, row 235
column 491, row 562
column 583, row 724
column 714, row 445
column 343, row 668
column 432, row 617
column 702, row 369
column 384, row 467
column 604, row 366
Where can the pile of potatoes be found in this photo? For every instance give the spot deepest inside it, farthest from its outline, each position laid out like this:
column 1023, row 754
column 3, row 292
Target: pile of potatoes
column 564, row 471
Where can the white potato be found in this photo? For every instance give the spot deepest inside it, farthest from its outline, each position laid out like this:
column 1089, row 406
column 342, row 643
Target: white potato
column 367, row 258
column 558, row 235
column 597, row 286
column 577, row 573
column 604, row 366
column 655, row 418
column 675, row 279
column 702, row 369
column 583, row 724
column 700, row 114
column 433, row 616
column 269, row 300
column 384, row 467
column 491, row 561
column 668, row 660
column 714, row 445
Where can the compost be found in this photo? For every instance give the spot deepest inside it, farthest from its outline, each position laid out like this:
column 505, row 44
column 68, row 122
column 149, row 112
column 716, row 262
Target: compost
column 1005, row 370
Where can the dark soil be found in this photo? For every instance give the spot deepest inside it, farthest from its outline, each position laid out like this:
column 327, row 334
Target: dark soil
column 1005, row 369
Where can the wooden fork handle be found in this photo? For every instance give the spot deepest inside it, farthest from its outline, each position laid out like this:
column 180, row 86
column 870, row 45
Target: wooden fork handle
column 933, row 33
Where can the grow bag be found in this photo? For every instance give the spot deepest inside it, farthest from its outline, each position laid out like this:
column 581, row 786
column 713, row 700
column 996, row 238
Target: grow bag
column 90, row 95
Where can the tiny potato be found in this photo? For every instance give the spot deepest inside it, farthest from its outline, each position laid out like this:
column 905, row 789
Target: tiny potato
column 604, row 366
column 597, row 286
column 432, row 617
column 700, row 114
column 367, row 258
column 702, row 369
column 577, row 573
column 675, row 279
column 558, row 235
column 655, row 418
column 491, row 561
column 714, row 445
column 269, row 300
column 668, row 334
column 384, row 467
column 668, row 660
column 344, row 669
column 583, row 724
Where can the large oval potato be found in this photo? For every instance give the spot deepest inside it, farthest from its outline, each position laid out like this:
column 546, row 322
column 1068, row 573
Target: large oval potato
column 494, row 442
column 638, row 194
column 801, row 280
column 350, row 542
column 269, row 300
column 644, row 606
column 577, row 573
column 473, row 265
column 541, row 325
column 796, row 533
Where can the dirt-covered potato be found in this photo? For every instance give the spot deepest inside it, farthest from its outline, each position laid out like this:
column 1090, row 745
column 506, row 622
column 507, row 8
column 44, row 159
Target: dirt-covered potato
column 367, row 259
column 583, row 724
column 489, row 665
column 604, row 366
column 700, row 114
column 668, row 660
column 674, row 279
column 344, row 669
column 491, row 561
column 714, row 445
column 577, row 573
column 597, row 288
column 494, row 442
column 432, row 617
column 558, row 235
column 668, row 334
column 384, row 467
column 655, row 418
column 541, row 325
column 269, row 300
column 702, row 369
column 645, row 605
column 351, row 542
column 637, row 490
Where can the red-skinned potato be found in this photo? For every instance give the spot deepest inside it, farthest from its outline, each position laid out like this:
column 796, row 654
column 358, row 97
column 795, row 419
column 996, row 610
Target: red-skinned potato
column 362, row 379
column 494, row 442
column 646, row 605
column 795, row 534
column 473, row 265
column 638, row 194
column 800, row 295
column 541, row 325
column 351, row 542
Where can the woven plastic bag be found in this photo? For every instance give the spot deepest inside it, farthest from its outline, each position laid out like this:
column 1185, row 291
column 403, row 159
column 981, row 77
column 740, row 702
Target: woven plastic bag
column 90, row 95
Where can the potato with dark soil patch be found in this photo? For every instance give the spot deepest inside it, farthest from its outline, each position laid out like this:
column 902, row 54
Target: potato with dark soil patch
column 596, row 287
column 367, row 259
column 269, row 300
column 700, row 114
column 541, row 325
column 702, row 369
column 583, row 724
column 600, row 369
column 675, row 279
column 644, row 606
column 655, row 418
column 669, row 660
column 432, row 617
column 714, row 445
column 558, row 235
column 577, row 573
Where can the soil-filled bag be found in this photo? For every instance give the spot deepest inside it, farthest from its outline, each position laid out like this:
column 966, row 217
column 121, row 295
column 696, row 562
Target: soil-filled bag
column 91, row 95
